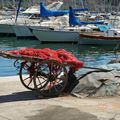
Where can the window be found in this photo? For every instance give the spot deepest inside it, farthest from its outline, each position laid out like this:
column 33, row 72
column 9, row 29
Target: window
column 115, row 34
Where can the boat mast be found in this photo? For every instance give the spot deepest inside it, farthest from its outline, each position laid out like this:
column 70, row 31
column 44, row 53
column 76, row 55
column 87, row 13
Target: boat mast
column 19, row 5
column 13, row 1
column 110, row 6
column 115, row 21
column 2, row 3
column 82, row 3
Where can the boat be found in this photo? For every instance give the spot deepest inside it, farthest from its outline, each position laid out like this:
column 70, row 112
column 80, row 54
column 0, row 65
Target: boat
column 22, row 30
column 58, row 33
column 67, row 33
column 109, row 37
column 51, row 35
column 106, row 35
column 30, row 17
column 57, row 26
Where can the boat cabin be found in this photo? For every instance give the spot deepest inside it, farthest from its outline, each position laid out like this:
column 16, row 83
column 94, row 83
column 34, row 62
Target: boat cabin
column 112, row 33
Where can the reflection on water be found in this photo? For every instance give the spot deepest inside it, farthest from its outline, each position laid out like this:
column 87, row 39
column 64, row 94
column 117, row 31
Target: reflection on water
column 91, row 55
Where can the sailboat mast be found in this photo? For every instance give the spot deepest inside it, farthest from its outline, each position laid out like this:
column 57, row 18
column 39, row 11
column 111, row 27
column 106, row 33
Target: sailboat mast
column 82, row 3
column 13, row 1
column 2, row 3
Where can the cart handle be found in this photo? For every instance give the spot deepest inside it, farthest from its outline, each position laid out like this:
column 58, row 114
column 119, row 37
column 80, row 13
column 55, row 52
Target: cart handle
column 95, row 68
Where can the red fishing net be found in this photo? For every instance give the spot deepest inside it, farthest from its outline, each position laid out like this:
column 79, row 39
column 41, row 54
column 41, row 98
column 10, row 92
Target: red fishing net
column 59, row 55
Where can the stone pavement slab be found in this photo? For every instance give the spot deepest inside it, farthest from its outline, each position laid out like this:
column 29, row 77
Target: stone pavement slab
column 18, row 103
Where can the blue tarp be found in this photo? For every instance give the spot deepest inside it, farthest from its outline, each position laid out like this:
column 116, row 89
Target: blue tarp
column 104, row 28
column 73, row 20
column 44, row 12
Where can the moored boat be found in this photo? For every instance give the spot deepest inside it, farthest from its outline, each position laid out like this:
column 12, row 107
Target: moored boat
column 111, row 36
column 64, row 33
column 49, row 35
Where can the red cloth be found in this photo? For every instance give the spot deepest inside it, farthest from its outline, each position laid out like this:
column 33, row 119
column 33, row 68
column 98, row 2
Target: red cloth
column 59, row 55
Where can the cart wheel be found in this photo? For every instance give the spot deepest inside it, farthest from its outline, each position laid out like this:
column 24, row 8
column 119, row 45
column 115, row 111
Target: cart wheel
column 56, row 78
column 17, row 64
column 26, row 74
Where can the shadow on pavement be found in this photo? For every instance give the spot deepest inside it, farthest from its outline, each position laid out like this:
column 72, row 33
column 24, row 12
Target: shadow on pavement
column 20, row 96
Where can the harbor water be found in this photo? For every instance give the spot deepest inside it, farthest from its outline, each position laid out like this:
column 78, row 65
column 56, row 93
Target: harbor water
column 93, row 56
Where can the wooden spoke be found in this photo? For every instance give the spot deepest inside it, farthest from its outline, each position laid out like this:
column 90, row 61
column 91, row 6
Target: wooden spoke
column 27, row 76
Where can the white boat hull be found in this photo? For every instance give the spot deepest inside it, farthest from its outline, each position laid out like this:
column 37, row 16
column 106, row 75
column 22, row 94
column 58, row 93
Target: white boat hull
column 22, row 31
column 6, row 29
column 56, row 36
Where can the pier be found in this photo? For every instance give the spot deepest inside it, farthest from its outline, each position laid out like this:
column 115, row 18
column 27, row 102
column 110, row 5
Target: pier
column 16, row 102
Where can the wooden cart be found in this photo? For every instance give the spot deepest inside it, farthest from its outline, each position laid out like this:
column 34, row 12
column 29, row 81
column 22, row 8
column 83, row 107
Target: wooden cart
column 49, row 77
